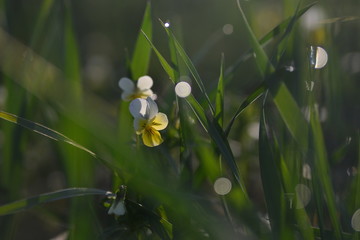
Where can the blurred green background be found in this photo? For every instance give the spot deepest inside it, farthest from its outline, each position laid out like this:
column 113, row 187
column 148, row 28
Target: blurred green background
column 105, row 33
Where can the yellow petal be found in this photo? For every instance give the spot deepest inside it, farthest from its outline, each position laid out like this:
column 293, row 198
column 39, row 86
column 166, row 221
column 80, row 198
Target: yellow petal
column 160, row 121
column 151, row 137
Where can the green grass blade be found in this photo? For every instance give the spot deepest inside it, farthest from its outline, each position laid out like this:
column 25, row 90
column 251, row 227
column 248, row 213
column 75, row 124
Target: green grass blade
column 282, row 98
column 323, row 171
column 219, row 100
column 279, row 29
column 45, row 131
column 209, row 124
column 142, row 52
column 258, row 92
column 71, row 57
column 272, row 184
column 25, row 204
column 290, row 112
column 190, row 65
column 166, row 66
column 261, row 58
column 217, row 135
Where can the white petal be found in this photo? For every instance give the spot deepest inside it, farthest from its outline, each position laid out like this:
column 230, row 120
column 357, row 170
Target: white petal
column 152, row 108
column 138, row 107
column 144, row 82
column 140, row 124
column 147, row 93
column 126, row 85
column 126, row 96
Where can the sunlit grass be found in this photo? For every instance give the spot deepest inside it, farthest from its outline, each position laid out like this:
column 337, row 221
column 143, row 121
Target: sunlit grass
column 172, row 152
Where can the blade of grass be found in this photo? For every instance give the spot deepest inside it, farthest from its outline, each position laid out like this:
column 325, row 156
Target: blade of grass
column 215, row 131
column 322, row 170
column 272, row 185
column 258, row 92
column 189, row 64
column 142, row 52
column 279, row 29
column 261, row 58
column 52, row 134
column 166, row 66
column 282, row 98
column 219, row 100
column 27, row 203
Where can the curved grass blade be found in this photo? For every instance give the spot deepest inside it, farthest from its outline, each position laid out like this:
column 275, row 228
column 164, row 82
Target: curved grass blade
column 279, row 29
column 322, row 169
column 261, row 58
column 212, row 127
column 258, row 92
column 27, row 203
column 272, row 185
column 142, row 52
column 189, row 64
column 166, row 66
column 219, row 100
column 38, row 128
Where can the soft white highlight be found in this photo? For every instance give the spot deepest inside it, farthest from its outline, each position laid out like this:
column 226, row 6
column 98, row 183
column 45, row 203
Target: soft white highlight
column 183, row 89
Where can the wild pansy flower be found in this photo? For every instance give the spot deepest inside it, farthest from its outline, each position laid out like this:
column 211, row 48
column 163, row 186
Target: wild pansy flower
column 141, row 90
column 148, row 120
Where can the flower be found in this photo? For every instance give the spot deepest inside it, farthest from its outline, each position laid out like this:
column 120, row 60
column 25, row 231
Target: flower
column 148, row 120
column 141, row 90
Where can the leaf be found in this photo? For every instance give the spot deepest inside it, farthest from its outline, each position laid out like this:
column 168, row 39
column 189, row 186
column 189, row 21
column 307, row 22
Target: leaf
column 142, row 52
column 190, row 65
column 27, row 203
column 166, row 66
column 212, row 127
column 219, row 100
column 217, row 135
column 279, row 29
column 272, row 185
column 258, row 92
column 38, row 128
column 290, row 112
column 261, row 58
column 322, row 170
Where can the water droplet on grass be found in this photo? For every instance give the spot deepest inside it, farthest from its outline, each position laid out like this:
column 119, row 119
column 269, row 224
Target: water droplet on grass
column 222, row 186
column 306, row 171
column 167, row 24
column 355, row 221
column 309, row 85
column 321, row 58
column 228, row 29
column 290, row 68
column 351, row 172
column 303, row 194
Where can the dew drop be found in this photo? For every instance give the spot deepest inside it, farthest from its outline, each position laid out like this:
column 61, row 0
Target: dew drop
column 355, row 221
column 321, row 58
column 253, row 130
column 351, row 172
column 183, row 89
column 222, row 186
column 309, row 85
column 228, row 29
column 306, row 171
column 167, row 24
column 290, row 68
column 303, row 194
